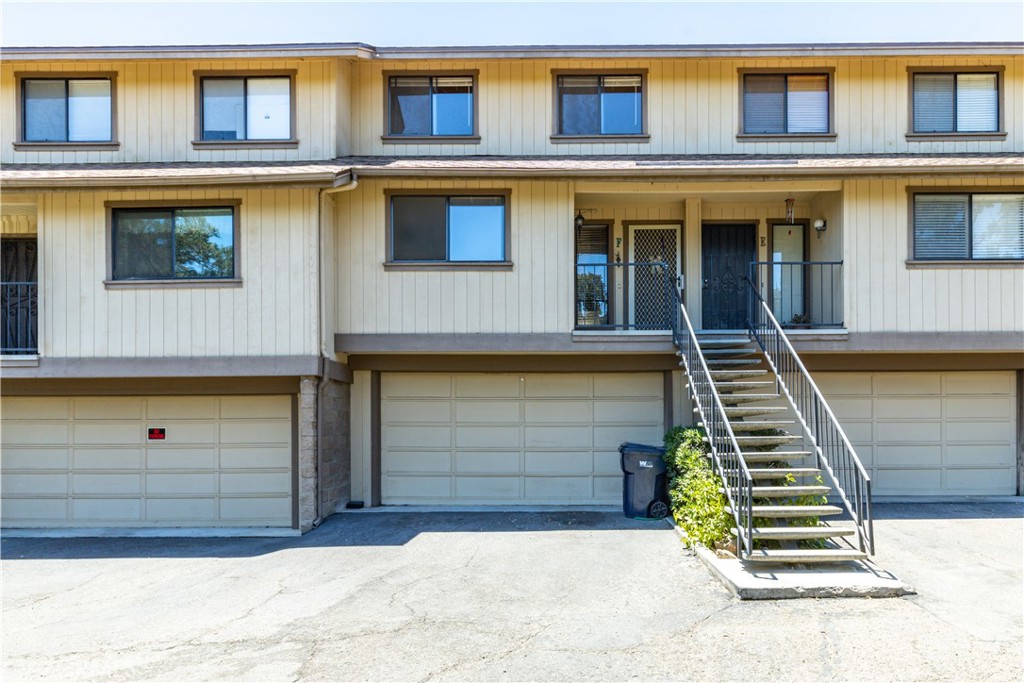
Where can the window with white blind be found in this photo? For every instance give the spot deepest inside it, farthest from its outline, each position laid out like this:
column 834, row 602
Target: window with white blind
column 786, row 104
column 67, row 110
column 954, row 103
column 958, row 227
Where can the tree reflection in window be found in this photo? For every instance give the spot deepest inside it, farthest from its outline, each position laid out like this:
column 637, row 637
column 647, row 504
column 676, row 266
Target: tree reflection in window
column 166, row 244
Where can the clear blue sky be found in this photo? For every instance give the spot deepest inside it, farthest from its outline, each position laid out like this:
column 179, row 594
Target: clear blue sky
column 45, row 23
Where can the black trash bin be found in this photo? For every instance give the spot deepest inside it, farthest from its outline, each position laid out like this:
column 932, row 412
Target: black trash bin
column 644, row 481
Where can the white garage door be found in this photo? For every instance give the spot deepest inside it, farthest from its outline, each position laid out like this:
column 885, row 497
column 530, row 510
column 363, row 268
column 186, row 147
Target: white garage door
column 949, row 433
column 513, row 438
column 224, row 461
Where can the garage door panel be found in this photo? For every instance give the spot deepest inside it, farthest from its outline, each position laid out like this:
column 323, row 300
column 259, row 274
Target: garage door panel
column 607, row 462
column 255, row 432
column 910, row 456
column 557, row 386
column 420, row 461
column 106, row 484
column 107, row 509
column 908, row 432
column 843, row 383
column 416, row 411
column 981, row 481
column 558, row 437
column 487, row 437
column 254, row 457
column 105, row 472
column 979, row 432
column 35, row 458
column 502, row 462
column 858, row 432
column 418, row 437
column 608, row 488
column 562, row 489
column 979, row 407
column 490, row 386
column 492, row 488
column 181, row 484
column 908, row 383
column 36, row 433
column 23, row 408
column 187, row 459
column 499, row 412
column 181, row 509
column 866, row 453
column 107, row 409
column 628, row 411
column 40, row 484
column 628, row 384
column 916, row 480
column 181, row 408
column 916, row 408
column 255, row 407
column 979, row 454
column 107, row 458
column 108, row 433
column 851, row 408
column 35, row 509
column 979, row 383
column 256, row 482
column 558, row 412
column 580, row 462
column 415, row 385
column 606, row 438
column 416, row 487
column 272, row 510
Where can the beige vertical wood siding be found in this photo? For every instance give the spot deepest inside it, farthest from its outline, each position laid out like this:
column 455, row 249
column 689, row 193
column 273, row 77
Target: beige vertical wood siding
column 156, row 109
column 884, row 295
column 535, row 296
column 273, row 313
column 693, row 107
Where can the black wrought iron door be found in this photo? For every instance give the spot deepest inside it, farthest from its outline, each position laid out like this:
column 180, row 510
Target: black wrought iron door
column 726, row 253
column 18, row 296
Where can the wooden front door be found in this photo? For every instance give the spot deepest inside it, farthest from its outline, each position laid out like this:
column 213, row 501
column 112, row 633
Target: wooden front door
column 727, row 250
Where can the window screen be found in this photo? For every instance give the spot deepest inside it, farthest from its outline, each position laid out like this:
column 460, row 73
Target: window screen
column 430, row 105
column 427, row 228
column 956, row 103
column 780, row 104
column 255, row 108
column 67, row 110
column 600, row 105
column 966, row 226
column 168, row 244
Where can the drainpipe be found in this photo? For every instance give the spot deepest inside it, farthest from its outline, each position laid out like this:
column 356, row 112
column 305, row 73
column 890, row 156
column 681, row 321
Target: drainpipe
column 346, row 184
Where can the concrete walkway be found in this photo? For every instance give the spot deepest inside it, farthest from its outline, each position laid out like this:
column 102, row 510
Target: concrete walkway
column 502, row 596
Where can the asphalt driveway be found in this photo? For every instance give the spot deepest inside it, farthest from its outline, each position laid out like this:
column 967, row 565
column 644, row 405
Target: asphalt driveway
column 503, row 596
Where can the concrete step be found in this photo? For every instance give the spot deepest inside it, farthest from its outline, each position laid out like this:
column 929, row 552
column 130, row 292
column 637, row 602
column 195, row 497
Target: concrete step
column 730, row 363
column 800, row 533
column 781, row 472
column 727, row 387
column 734, row 399
column 788, row 556
column 753, row 411
column 707, row 342
column 747, row 441
column 755, row 425
column 730, row 353
column 789, row 491
column 782, row 511
column 724, row 375
column 773, row 456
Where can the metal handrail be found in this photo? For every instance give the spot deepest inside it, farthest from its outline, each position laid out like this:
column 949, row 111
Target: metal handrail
column 833, row 451
column 726, row 455
column 801, row 293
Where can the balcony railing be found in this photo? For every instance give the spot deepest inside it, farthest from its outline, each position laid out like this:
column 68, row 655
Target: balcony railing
column 624, row 296
column 18, row 324
column 801, row 294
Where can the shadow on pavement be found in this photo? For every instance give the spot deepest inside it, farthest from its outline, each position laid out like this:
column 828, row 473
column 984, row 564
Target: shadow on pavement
column 370, row 529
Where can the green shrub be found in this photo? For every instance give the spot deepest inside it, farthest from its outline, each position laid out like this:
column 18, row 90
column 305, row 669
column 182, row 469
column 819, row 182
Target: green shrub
column 698, row 505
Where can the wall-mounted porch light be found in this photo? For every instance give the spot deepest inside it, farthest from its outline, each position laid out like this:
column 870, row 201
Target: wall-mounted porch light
column 820, row 226
column 579, row 220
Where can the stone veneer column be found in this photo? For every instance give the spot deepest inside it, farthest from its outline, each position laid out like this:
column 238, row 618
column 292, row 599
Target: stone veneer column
column 307, row 452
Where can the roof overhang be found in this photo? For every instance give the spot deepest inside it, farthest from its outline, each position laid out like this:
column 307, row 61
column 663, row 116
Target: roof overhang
column 364, row 51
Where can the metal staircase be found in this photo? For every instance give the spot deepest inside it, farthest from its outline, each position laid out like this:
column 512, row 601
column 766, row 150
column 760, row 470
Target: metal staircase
column 796, row 490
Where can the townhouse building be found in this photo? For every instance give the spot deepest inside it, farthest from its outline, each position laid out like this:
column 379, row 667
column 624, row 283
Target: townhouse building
column 250, row 285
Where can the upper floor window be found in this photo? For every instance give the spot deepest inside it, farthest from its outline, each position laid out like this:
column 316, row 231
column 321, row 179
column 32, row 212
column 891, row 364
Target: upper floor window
column 68, row 110
column 174, row 243
column 431, row 106
column 962, row 226
column 428, row 228
column 786, row 104
column 600, row 104
column 246, row 108
column 955, row 103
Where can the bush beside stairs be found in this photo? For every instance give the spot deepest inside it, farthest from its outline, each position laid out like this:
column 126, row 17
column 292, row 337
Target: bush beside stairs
column 793, row 520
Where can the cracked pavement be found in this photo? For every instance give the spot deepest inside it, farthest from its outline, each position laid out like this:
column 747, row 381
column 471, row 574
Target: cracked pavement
column 517, row 596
